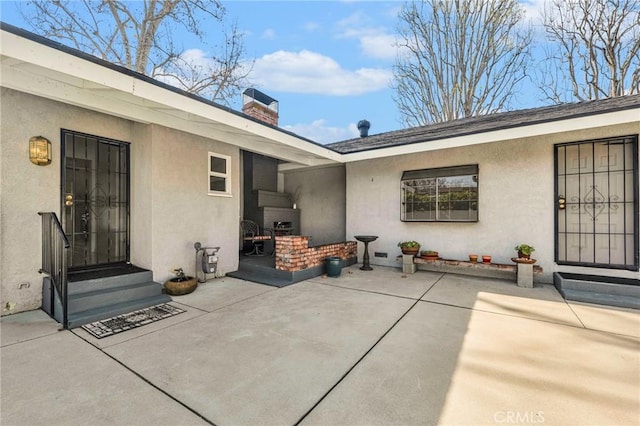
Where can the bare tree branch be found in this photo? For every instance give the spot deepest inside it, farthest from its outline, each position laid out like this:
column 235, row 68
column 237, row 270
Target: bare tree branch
column 594, row 47
column 459, row 58
column 139, row 36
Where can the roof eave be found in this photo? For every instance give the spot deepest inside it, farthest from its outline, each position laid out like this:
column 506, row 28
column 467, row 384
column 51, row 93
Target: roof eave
column 33, row 67
column 584, row 122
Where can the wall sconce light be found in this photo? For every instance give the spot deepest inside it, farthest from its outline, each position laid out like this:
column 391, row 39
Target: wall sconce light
column 40, row 150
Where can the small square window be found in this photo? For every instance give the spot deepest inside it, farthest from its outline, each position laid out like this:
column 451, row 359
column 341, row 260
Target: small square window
column 219, row 174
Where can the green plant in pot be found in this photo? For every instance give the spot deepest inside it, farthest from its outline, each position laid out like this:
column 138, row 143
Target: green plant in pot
column 429, row 253
column 409, row 247
column 180, row 284
column 524, row 251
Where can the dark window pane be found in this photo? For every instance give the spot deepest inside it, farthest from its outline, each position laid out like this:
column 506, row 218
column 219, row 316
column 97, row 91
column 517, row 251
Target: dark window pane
column 218, row 165
column 217, row 184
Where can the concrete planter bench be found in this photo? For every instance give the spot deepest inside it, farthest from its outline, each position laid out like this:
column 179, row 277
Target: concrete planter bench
column 522, row 273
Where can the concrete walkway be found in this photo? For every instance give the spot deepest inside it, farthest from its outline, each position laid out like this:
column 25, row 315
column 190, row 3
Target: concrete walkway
column 363, row 349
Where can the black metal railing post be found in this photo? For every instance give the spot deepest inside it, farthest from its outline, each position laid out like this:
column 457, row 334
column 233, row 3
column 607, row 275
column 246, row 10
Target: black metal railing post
column 54, row 260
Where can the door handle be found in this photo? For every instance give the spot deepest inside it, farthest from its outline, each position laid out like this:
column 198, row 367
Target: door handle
column 68, row 200
column 562, row 203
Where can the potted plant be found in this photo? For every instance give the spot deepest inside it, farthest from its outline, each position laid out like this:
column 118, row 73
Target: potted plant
column 486, row 259
column 409, row 247
column 429, row 254
column 524, row 251
column 473, row 258
column 180, row 284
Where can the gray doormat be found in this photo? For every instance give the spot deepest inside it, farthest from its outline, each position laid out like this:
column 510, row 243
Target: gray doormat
column 135, row 319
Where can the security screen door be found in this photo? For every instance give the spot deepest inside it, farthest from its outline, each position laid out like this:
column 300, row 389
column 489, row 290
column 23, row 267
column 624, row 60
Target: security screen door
column 597, row 203
column 95, row 199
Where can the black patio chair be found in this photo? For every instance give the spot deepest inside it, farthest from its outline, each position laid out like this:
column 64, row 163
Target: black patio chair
column 254, row 240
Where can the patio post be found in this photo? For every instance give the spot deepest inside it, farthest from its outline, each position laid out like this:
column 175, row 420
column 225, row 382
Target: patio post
column 408, row 267
column 525, row 275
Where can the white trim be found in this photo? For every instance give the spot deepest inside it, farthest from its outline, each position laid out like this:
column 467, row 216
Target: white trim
column 226, row 176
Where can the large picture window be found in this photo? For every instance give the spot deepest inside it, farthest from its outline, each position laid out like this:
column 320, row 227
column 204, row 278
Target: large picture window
column 447, row 194
column 219, row 174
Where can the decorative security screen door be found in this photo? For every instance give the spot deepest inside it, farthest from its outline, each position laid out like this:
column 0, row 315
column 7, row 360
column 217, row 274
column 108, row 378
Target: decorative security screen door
column 95, row 199
column 597, row 203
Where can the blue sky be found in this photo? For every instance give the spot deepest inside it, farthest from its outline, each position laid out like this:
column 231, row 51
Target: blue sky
column 328, row 63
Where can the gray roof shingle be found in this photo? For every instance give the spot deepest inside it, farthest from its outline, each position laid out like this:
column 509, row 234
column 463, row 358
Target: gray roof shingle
column 486, row 123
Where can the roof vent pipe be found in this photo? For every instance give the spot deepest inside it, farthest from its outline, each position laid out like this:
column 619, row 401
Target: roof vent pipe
column 363, row 126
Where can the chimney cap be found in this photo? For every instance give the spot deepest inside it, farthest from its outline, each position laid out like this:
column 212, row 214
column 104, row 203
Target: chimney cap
column 258, row 96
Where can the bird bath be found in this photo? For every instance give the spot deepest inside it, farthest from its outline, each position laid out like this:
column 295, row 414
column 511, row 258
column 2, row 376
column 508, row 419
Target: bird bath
column 366, row 239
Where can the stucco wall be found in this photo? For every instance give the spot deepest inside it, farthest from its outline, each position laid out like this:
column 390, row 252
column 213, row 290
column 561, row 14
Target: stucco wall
column 322, row 203
column 28, row 189
column 181, row 211
column 516, row 204
column 170, row 207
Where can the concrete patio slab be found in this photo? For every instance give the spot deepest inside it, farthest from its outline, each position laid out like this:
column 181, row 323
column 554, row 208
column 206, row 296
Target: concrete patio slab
column 341, row 355
column 266, row 359
column 608, row 318
column 383, row 280
column 26, row 326
column 543, row 302
column 220, row 292
column 135, row 333
column 60, row 379
column 449, row 365
column 208, row 297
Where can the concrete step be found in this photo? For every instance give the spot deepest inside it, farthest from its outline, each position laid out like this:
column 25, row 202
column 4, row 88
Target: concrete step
column 114, row 281
column 602, row 299
column 612, row 291
column 104, row 293
column 84, row 317
column 112, row 295
column 265, row 273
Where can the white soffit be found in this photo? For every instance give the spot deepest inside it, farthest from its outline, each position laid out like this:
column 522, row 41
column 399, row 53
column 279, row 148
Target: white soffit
column 533, row 130
column 40, row 70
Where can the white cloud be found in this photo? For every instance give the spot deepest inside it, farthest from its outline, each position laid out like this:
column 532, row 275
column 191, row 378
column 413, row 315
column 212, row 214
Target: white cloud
column 319, row 132
column 269, row 34
column 375, row 42
column 311, row 26
column 382, row 46
column 311, row 72
column 533, row 10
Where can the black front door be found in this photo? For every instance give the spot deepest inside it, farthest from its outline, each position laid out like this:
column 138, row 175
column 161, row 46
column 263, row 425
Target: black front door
column 95, row 199
column 597, row 203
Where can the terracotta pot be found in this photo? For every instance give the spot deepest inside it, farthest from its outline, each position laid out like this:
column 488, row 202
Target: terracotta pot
column 473, row 258
column 430, row 256
column 486, row 259
column 178, row 288
column 410, row 250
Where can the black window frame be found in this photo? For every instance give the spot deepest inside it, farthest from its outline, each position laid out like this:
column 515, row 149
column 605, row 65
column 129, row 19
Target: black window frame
column 469, row 171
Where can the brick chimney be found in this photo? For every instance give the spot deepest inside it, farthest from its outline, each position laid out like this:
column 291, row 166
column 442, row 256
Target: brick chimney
column 260, row 106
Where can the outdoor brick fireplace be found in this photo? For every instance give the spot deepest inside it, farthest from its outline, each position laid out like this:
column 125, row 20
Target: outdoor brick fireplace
column 294, row 254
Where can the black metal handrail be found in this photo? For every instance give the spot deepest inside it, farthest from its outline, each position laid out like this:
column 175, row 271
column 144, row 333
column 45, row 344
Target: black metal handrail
column 54, row 259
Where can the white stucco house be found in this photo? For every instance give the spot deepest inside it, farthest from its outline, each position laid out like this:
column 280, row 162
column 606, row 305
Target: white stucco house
column 139, row 171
